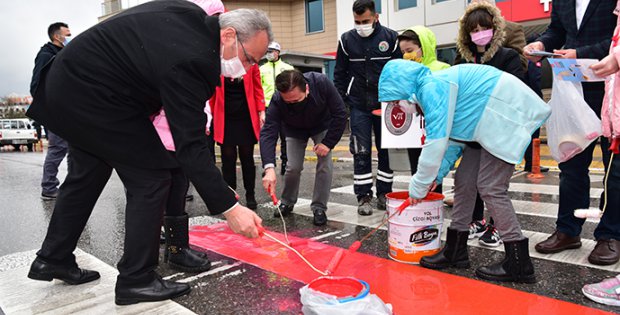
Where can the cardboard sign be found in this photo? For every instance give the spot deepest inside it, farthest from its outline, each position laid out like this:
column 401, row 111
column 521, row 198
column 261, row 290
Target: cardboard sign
column 400, row 129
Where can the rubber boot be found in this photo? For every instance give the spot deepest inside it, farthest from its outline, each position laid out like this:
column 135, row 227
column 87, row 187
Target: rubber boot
column 178, row 255
column 453, row 254
column 516, row 266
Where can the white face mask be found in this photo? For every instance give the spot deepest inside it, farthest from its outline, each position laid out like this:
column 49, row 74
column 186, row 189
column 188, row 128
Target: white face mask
column 271, row 56
column 66, row 41
column 232, row 68
column 365, row 30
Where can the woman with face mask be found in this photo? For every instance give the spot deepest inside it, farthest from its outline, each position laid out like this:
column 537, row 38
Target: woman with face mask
column 480, row 38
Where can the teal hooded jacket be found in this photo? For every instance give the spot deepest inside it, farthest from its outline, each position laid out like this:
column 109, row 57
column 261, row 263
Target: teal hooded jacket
column 464, row 103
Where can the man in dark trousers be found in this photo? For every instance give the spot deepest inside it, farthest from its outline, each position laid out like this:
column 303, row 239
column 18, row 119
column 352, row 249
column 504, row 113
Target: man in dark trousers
column 305, row 106
column 99, row 94
column 362, row 53
column 582, row 29
column 57, row 148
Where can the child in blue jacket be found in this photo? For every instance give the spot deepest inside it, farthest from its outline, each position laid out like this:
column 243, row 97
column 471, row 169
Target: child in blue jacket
column 471, row 104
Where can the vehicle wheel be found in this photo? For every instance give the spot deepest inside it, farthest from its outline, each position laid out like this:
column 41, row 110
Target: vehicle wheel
column 29, row 146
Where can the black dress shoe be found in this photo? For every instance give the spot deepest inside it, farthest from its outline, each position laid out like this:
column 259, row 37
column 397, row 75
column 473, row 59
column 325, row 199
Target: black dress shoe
column 319, row 217
column 40, row 270
column 156, row 290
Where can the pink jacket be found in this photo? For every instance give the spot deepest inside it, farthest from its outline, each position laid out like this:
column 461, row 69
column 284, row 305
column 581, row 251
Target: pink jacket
column 610, row 113
column 163, row 129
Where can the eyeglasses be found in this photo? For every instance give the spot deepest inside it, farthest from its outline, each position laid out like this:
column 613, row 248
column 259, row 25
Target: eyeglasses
column 250, row 60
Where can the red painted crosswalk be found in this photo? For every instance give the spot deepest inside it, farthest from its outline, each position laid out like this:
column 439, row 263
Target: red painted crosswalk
column 410, row 289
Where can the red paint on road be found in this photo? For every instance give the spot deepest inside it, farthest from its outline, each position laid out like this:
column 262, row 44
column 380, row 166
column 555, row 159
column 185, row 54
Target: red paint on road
column 410, row 289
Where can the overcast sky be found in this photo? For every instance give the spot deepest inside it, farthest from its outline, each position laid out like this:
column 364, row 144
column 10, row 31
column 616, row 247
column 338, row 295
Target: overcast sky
column 23, row 30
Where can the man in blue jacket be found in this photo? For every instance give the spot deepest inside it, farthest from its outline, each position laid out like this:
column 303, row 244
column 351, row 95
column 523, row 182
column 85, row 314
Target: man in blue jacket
column 306, row 106
column 362, row 53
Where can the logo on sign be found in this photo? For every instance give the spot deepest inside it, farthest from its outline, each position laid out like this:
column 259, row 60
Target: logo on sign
column 545, row 4
column 424, row 237
column 396, row 120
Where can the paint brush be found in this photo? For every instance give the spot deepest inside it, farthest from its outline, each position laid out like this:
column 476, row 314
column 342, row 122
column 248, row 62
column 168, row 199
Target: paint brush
column 333, row 264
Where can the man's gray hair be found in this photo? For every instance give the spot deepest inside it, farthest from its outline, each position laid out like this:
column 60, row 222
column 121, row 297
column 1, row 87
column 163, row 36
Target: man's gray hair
column 247, row 22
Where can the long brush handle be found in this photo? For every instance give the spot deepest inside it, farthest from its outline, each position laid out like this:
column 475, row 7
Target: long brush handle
column 333, row 264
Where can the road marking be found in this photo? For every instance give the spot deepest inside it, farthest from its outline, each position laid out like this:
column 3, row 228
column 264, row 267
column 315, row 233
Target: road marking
column 21, row 295
column 210, row 272
column 348, row 214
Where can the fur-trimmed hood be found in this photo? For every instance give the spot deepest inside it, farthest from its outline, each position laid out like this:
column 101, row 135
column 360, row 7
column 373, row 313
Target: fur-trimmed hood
column 463, row 41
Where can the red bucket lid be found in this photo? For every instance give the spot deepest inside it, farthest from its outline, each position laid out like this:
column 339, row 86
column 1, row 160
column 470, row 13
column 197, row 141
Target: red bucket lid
column 340, row 287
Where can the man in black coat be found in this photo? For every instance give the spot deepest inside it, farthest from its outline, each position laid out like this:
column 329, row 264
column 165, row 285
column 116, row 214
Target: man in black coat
column 305, row 106
column 362, row 53
column 99, row 94
column 581, row 29
column 57, row 148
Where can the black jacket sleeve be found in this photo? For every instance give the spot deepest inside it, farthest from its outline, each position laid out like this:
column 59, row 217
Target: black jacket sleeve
column 512, row 64
column 599, row 50
column 338, row 114
column 184, row 91
column 40, row 61
column 341, row 71
column 269, row 133
column 555, row 35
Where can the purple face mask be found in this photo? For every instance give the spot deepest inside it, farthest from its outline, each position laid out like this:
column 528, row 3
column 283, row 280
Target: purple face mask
column 482, row 38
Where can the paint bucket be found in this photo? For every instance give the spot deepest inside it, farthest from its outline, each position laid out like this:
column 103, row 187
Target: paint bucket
column 416, row 232
column 344, row 289
column 341, row 296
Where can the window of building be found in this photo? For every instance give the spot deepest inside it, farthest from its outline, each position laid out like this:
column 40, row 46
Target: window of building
column 377, row 6
column 406, row 4
column 447, row 55
column 314, row 16
column 438, row 1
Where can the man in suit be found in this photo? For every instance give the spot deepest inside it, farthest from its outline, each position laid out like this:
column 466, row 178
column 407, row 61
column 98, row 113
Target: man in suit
column 581, row 29
column 99, row 94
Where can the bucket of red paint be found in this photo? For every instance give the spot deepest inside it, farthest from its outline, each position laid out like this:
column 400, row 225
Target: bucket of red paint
column 416, row 232
column 345, row 289
column 341, row 296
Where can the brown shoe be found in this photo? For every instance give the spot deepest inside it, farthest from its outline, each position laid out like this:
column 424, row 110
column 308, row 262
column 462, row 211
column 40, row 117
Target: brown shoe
column 606, row 252
column 558, row 242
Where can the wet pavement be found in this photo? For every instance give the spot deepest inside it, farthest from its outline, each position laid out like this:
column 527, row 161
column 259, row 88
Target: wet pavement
column 236, row 287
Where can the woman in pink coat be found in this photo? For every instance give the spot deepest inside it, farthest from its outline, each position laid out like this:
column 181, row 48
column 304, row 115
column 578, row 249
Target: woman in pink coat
column 607, row 291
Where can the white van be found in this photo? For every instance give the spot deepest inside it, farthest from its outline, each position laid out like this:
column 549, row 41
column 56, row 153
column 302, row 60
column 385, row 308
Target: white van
column 17, row 132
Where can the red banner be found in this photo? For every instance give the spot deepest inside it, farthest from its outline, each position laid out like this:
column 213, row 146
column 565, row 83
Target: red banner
column 525, row 10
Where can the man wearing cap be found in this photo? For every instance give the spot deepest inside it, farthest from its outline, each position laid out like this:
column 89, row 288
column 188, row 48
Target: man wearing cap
column 268, row 73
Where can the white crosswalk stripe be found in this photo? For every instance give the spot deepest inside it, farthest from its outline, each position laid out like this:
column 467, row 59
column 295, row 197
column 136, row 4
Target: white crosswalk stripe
column 348, row 214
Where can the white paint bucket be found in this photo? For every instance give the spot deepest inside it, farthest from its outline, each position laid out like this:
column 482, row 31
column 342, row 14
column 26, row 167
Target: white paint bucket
column 416, row 232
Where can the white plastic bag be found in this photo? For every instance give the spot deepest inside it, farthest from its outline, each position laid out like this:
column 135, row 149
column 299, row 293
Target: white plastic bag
column 573, row 125
column 318, row 303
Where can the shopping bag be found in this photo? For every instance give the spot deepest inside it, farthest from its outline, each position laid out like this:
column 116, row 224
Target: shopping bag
column 573, row 125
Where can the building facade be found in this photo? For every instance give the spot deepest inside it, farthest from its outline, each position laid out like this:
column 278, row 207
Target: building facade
column 308, row 30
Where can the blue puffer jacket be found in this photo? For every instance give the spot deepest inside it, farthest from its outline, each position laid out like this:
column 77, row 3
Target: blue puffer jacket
column 464, row 103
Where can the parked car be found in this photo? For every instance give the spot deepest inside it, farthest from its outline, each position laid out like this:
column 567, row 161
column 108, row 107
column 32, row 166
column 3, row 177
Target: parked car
column 17, row 132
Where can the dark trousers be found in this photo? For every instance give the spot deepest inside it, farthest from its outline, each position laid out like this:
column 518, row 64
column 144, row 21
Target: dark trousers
column 248, row 169
column 575, row 194
column 178, row 190
column 363, row 123
column 147, row 193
